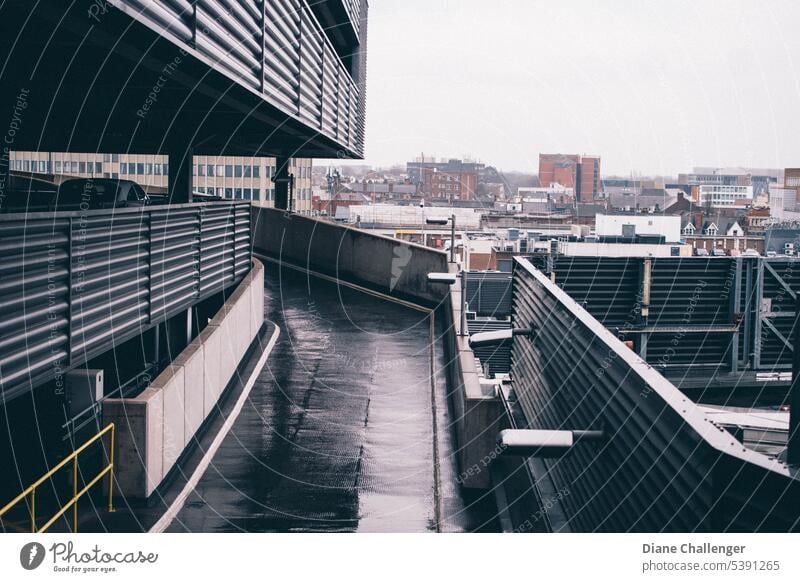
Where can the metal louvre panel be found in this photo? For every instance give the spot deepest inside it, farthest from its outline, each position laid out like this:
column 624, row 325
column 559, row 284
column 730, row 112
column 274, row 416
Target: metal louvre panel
column 497, row 357
column 489, row 294
column 707, row 282
column 310, row 71
column 330, row 83
column 73, row 285
column 34, row 298
column 343, row 105
column 218, row 247
column 177, row 16
column 227, row 34
column 107, row 252
column 654, row 472
column 778, row 310
column 175, row 249
column 606, row 287
column 277, row 48
column 281, row 52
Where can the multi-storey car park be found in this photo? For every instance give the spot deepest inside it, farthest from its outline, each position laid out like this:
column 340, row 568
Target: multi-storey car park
column 329, row 374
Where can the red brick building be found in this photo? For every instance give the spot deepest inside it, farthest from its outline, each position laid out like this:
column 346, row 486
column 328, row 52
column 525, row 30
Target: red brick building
column 582, row 173
column 450, row 186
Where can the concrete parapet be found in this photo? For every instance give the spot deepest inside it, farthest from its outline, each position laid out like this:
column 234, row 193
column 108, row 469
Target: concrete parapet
column 155, row 427
column 390, row 266
column 479, row 415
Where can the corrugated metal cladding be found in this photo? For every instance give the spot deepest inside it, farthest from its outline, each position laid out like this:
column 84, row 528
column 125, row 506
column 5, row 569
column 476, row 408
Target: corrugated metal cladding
column 73, row 285
column 274, row 47
column 489, row 293
column 660, row 468
column 498, row 357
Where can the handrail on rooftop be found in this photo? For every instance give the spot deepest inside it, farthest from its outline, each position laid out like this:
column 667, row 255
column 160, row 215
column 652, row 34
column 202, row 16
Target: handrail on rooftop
column 30, row 491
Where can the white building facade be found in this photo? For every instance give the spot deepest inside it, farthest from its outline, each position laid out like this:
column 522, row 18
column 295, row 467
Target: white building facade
column 226, row 176
column 724, row 196
column 639, row 224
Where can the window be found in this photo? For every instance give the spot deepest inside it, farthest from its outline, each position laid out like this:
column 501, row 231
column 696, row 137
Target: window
column 58, row 166
column 256, row 171
column 149, row 169
column 228, row 171
column 210, row 170
column 157, row 169
column 98, row 168
column 237, row 193
column 140, row 169
column 114, row 157
column 228, row 192
column 81, row 167
column 237, row 171
column 114, row 175
column 256, row 193
column 220, row 170
column 106, row 157
column 248, row 171
column 194, row 169
column 166, row 169
column 248, row 194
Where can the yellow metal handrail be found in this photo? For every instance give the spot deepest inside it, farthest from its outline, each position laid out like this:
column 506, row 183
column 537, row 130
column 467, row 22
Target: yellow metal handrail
column 109, row 469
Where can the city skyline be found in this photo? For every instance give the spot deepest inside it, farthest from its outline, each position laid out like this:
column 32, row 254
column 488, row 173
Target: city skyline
column 691, row 85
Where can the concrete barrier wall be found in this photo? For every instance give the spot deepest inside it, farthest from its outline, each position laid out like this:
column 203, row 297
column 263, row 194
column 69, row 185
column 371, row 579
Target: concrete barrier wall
column 154, row 428
column 479, row 413
column 380, row 263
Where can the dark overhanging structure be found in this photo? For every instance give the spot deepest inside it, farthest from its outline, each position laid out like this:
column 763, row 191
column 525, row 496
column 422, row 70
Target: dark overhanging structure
column 281, row 78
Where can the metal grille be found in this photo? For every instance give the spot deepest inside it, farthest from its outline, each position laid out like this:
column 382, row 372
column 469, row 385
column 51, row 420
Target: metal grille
column 664, row 465
column 276, row 48
column 721, row 313
column 497, row 357
column 73, row 285
column 489, row 293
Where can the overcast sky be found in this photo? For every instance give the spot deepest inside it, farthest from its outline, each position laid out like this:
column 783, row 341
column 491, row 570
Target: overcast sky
column 654, row 87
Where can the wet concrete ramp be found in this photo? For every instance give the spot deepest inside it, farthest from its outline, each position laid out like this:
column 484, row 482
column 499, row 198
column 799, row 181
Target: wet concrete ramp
column 345, row 430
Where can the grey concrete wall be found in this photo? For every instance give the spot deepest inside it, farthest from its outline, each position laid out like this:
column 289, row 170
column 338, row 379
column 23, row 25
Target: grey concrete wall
column 154, row 428
column 384, row 264
column 479, row 414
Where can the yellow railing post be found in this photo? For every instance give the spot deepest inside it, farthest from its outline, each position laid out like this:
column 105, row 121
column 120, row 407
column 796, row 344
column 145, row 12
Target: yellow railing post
column 75, row 494
column 33, row 510
column 31, row 490
column 111, row 473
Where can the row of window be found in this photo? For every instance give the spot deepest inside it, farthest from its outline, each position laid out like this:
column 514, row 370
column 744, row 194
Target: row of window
column 143, row 169
column 250, row 193
column 58, row 167
column 230, row 171
column 239, row 193
column 243, row 171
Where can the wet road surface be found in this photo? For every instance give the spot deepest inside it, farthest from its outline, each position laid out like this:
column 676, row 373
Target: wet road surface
column 338, row 433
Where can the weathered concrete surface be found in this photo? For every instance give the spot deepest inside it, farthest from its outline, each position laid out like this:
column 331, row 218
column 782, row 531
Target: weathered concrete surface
column 479, row 415
column 384, row 264
column 338, row 433
column 155, row 427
